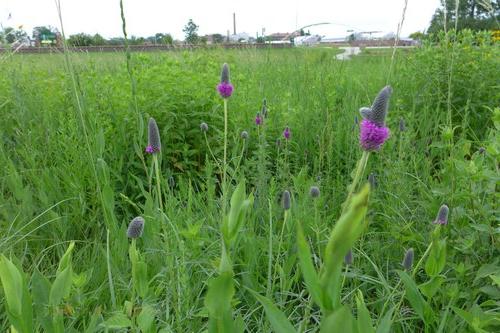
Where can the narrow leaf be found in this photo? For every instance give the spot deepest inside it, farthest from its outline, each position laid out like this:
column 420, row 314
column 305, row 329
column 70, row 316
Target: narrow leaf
column 308, row 270
column 277, row 318
column 339, row 321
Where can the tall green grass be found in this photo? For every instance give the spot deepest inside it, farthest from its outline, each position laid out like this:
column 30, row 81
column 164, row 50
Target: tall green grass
column 48, row 195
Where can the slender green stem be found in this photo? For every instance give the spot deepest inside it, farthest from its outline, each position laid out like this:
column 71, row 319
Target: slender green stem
column 110, row 276
column 391, row 295
column 270, row 254
column 305, row 320
column 280, row 243
column 212, row 153
column 360, row 169
column 419, row 263
column 224, row 171
column 240, row 159
column 158, row 186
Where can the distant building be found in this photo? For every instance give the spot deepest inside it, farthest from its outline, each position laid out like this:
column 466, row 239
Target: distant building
column 241, row 37
column 282, row 37
column 307, row 40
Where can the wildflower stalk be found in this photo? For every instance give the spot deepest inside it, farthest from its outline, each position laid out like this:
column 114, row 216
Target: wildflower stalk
column 360, row 169
column 158, row 186
column 224, row 185
column 270, row 254
column 280, row 244
column 211, row 152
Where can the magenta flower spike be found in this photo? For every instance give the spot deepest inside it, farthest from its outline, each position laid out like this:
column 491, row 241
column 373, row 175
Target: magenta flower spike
column 225, row 88
column 287, row 133
column 258, row 119
column 373, row 132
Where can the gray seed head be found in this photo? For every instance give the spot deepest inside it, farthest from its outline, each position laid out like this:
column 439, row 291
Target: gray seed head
column 314, row 191
column 402, row 126
column 442, row 216
column 408, row 259
column 171, row 182
column 224, row 75
column 481, row 150
column 285, row 199
column 135, row 227
column 264, row 110
column 244, row 135
column 372, row 180
column 378, row 111
column 349, row 258
column 154, row 135
column 204, row 127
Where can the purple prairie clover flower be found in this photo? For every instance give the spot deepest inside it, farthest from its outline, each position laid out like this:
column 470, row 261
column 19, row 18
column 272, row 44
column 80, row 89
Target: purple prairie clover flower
column 378, row 111
column 287, row 133
column 264, row 108
column 373, row 132
column 314, row 192
column 348, row 258
column 285, row 200
column 372, row 179
column 408, row 259
column 372, row 136
column 402, row 125
column 442, row 216
column 135, row 227
column 225, row 88
column 154, row 143
column 258, row 119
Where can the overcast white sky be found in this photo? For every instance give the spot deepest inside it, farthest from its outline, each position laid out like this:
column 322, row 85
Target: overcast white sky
column 147, row 17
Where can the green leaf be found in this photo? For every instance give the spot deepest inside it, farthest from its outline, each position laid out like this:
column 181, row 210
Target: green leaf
column 364, row 321
column 66, row 258
column 218, row 302
column 277, row 318
column 18, row 299
column 437, row 258
column 385, row 323
column 430, row 287
column 346, row 231
column 40, row 288
column 239, row 207
column 413, row 295
column 12, row 285
column 146, row 318
column 308, row 270
column 117, row 321
column 340, row 321
column 141, row 279
column 61, row 286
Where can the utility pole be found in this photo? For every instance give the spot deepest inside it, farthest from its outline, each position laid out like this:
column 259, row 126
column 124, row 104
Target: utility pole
column 234, row 23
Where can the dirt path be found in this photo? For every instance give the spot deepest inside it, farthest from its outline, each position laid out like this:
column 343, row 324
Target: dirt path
column 348, row 52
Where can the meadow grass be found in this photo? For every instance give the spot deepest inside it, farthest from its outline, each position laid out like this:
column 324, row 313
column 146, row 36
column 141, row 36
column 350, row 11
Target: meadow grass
column 56, row 188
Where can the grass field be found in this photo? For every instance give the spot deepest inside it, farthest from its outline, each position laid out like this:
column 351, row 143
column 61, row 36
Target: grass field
column 75, row 173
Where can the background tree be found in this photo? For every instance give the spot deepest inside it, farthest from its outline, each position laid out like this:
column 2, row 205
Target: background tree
column 191, row 32
column 218, row 38
column 10, row 35
column 98, row 40
column 417, row 35
column 471, row 14
column 44, row 32
column 80, row 39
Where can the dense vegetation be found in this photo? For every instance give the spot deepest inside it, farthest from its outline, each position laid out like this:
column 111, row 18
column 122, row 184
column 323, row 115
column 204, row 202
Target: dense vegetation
column 75, row 173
